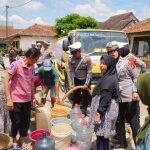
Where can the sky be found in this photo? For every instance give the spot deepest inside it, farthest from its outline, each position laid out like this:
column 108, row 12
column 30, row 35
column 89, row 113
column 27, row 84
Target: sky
column 47, row 11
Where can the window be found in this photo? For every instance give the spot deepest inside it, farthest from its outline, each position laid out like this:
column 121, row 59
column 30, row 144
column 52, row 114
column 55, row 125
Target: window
column 98, row 39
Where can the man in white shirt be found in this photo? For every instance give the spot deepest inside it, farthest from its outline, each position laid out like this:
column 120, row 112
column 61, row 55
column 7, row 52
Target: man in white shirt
column 45, row 53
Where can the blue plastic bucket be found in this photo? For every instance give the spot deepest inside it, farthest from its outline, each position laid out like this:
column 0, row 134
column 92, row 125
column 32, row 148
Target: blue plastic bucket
column 16, row 148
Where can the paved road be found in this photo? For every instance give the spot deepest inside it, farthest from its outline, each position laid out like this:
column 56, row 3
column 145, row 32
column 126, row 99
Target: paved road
column 143, row 112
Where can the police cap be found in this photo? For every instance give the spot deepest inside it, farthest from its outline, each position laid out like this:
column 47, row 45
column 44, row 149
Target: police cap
column 74, row 47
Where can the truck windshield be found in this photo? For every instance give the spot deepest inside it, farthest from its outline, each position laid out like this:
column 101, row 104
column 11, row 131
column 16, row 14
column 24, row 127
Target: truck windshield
column 96, row 40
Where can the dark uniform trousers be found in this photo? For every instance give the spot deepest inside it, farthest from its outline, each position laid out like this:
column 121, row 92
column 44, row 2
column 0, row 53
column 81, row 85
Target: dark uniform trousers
column 129, row 112
column 20, row 118
column 81, row 96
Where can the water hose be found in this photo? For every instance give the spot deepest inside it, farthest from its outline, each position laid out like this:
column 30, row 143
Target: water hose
column 62, row 103
column 72, row 90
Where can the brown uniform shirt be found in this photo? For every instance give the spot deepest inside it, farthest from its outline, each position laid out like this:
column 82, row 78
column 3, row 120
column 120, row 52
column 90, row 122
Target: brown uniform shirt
column 84, row 71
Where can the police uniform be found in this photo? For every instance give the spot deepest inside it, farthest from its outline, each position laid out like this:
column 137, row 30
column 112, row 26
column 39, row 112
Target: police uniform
column 140, row 66
column 127, row 85
column 80, row 74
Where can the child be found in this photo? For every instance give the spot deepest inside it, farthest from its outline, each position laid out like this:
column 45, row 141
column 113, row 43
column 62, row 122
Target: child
column 104, row 107
column 20, row 94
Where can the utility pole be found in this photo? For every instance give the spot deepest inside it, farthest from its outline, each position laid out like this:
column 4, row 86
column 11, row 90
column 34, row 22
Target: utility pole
column 7, row 20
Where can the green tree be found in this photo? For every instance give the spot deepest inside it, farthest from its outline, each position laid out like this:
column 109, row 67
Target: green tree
column 72, row 22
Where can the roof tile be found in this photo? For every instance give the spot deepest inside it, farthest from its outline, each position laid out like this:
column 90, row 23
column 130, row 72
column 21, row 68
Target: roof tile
column 119, row 22
column 142, row 26
column 11, row 31
column 39, row 30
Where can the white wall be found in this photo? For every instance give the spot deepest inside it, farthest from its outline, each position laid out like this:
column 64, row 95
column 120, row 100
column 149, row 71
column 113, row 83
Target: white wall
column 26, row 41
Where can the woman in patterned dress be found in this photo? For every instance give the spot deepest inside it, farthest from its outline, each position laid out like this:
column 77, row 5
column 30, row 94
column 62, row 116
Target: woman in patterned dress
column 104, row 107
column 4, row 114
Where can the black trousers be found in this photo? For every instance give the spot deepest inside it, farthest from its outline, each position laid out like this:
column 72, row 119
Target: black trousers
column 81, row 96
column 130, row 112
column 20, row 118
column 102, row 143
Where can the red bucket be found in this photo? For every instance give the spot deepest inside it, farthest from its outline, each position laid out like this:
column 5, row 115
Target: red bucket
column 35, row 135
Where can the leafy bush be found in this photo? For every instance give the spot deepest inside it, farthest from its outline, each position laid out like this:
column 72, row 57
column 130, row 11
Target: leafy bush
column 4, row 50
column 72, row 22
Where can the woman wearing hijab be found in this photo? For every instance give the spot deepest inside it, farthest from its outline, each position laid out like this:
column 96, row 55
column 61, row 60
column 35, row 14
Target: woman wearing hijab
column 134, row 61
column 104, row 107
column 143, row 136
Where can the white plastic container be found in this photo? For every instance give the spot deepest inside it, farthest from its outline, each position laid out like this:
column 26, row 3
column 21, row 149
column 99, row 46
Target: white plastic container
column 76, row 125
column 60, row 120
column 75, row 113
column 42, row 118
column 62, row 135
column 84, row 137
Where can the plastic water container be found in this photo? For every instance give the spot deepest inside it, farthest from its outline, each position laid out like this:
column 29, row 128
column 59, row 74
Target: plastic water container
column 72, row 148
column 42, row 118
column 62, row 135
column 60, row 120
column 35, row 135
column 75, row 113
column 5, row 141
column 59, row 112
column 45, row 143
column 76, row 125
column 16, row 148
column 84, row 137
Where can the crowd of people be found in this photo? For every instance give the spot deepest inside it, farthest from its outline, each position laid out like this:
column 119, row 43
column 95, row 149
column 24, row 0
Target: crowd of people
column 114, row 100
column 19, row 95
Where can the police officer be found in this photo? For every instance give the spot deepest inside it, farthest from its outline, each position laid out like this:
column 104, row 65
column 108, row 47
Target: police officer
column 128, row 95
column 140, row 66
column 81, row 73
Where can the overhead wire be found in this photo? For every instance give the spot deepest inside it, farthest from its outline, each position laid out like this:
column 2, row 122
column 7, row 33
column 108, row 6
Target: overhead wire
column 16, row 5
column 20, row 4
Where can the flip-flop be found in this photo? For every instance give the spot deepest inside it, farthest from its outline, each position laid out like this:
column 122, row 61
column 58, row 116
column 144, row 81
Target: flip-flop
column 25, row 146
column 15, row 145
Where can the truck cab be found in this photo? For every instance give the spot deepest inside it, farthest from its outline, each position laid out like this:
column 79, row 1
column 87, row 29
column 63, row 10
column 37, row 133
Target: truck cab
column 93, row 44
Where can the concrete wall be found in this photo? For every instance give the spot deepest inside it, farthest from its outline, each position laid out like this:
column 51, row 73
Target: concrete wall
column 26, row 41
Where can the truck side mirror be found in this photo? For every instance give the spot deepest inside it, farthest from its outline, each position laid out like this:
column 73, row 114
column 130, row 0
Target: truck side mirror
column 65, row 45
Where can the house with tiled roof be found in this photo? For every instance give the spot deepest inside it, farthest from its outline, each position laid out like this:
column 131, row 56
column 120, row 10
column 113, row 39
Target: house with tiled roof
column 10, row 31
column 119, row 22
column 3, row 34
column 34, row 34
column 139, row 37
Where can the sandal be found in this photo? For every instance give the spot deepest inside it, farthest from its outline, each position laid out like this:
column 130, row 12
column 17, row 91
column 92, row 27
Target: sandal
column 25, row 146
column 14, row 144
